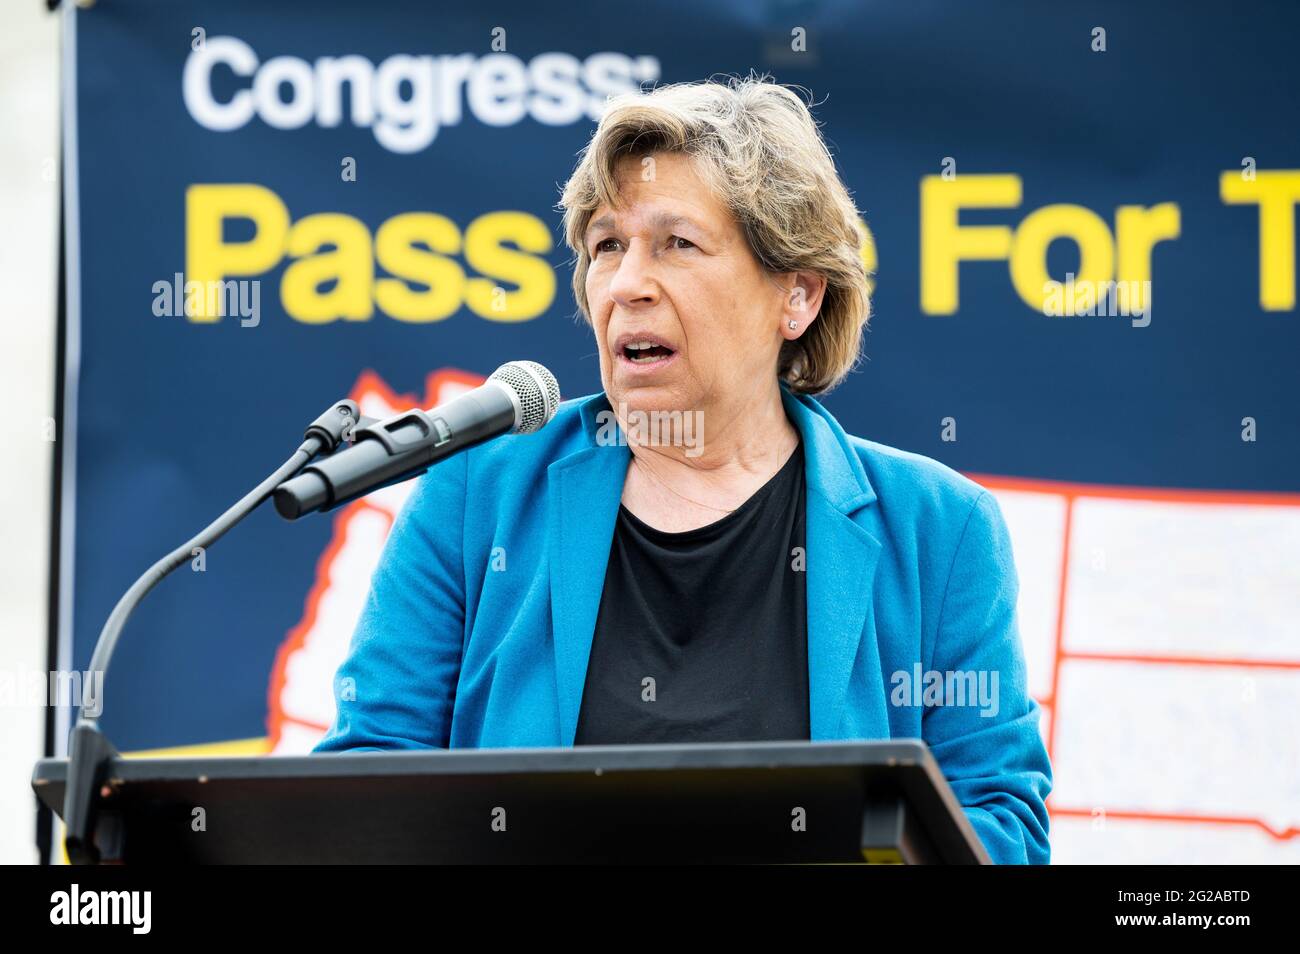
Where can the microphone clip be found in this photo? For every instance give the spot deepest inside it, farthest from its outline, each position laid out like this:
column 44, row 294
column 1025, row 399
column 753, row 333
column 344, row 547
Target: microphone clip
column 338, row 425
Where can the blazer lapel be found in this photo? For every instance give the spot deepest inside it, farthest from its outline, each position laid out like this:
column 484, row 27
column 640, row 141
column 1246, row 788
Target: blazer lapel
column 842, row 558
column 583, row 493
column 841, row 567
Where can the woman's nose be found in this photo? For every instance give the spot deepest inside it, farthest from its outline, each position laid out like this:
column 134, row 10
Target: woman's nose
column 634, row 283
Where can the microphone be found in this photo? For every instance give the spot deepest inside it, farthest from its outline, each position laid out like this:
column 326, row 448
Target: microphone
column 519, row 398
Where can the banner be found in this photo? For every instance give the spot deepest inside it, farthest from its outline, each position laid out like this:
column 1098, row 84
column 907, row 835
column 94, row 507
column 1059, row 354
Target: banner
column 1082, row 232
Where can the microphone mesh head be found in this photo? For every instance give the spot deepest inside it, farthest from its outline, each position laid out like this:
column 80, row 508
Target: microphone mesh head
column 536, row 389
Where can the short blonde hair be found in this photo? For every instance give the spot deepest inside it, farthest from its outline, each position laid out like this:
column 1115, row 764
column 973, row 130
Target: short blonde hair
column 757, row 145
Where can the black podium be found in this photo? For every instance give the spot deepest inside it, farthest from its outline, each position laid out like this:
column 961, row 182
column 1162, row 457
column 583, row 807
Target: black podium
column 768, row 802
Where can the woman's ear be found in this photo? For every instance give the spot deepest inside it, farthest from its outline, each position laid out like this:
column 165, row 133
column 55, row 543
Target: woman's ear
column 804, row 292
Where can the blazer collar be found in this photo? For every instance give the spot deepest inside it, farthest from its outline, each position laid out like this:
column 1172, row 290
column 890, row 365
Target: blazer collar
column 584, row 490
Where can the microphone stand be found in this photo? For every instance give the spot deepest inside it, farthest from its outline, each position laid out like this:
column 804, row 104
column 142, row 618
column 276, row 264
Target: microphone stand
column 90, row 751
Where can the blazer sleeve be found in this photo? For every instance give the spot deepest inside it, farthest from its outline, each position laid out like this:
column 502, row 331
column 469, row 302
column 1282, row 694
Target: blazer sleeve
column 397, row 686
column 993, row 756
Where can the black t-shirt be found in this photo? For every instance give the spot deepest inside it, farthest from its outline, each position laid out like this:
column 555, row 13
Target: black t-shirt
column 702, row 636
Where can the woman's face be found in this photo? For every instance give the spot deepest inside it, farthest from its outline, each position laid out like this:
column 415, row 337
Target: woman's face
column 671, row 267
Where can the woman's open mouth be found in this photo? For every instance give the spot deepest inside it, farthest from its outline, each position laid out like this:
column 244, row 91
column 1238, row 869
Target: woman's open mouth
column 646, row 352
column 642, row 352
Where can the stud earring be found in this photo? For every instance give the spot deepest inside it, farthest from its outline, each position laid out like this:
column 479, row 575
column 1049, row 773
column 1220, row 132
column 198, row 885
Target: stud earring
column 794, row 325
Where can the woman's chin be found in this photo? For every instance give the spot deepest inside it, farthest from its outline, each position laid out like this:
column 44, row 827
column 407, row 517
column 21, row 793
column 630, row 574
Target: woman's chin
column 647, row 397
column 653, row 387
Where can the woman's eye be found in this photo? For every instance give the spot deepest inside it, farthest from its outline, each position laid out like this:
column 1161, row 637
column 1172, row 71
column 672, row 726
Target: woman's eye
column 600, row 246
column 685, row 243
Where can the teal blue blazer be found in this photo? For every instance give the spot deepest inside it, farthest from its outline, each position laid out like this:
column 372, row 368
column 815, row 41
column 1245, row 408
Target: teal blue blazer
column 479, row 620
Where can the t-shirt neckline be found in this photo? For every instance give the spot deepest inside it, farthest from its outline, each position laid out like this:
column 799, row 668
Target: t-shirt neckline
column 751, row 502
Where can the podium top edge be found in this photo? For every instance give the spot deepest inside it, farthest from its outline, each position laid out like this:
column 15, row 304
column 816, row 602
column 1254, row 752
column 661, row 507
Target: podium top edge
column 593, row 758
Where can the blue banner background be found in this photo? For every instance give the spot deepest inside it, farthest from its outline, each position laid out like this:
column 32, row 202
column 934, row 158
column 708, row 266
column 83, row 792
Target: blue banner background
column 176, row 419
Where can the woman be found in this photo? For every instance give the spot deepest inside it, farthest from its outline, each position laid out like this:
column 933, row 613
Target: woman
column 700, row 552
